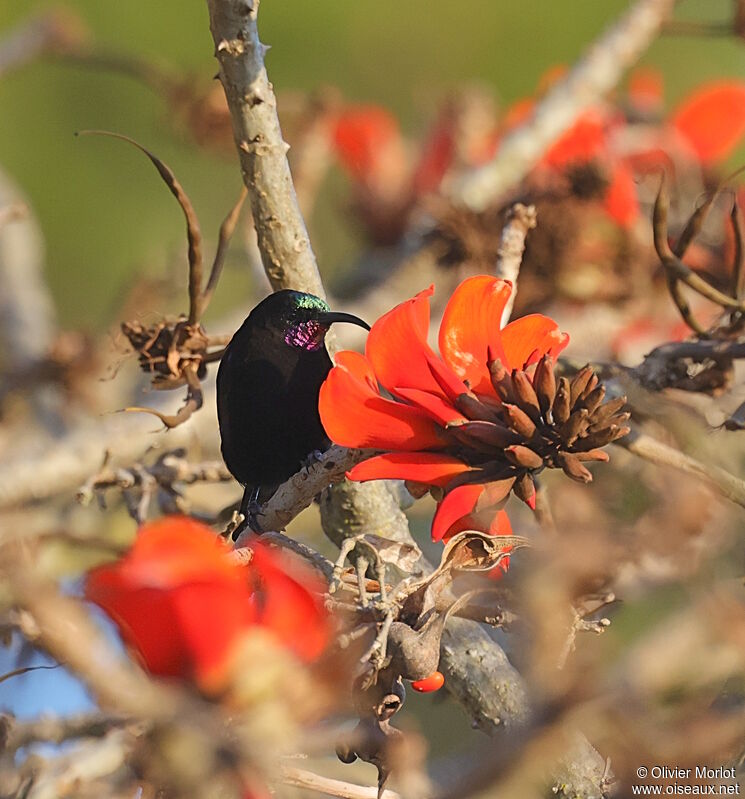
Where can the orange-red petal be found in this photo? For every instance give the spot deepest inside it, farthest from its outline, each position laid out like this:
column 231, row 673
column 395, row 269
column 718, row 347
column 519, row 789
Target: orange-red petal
column 178, row 599
column 469, row 332
column 288, row 604
column 355, row 415
column 713, row 119
column 529, row 338
column 584, row 141
column 621, row 202
column 429, row 468
column 174, row 549
column 436, row 406
column 457, row 503
column 397, row 346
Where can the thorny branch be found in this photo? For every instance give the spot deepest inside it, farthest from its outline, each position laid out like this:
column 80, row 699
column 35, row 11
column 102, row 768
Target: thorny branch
column 283, row 240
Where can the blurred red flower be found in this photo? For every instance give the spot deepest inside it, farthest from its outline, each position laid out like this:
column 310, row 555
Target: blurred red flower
column 363, row 137
column 182, row 603
column 712, row 119
column 423, row 426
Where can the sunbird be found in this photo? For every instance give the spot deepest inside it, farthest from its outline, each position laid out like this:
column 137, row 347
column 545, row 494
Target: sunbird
column 267, row 391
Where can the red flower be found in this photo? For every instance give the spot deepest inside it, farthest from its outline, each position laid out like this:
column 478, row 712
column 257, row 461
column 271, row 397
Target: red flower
column 182, row 603
column 712, row 119
column 364, row 137
column 424, row 424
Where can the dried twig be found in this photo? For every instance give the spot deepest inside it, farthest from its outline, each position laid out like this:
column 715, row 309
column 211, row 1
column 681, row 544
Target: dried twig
column 589, row 80
column 55, row 730
column 724, row 483
column 302, row 778
column 139, row 482
column 676, row 270
column 520, row 219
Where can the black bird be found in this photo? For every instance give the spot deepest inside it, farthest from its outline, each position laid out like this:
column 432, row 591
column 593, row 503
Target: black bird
column 267, row 391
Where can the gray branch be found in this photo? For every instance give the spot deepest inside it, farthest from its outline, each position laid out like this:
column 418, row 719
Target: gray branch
column 282, row 237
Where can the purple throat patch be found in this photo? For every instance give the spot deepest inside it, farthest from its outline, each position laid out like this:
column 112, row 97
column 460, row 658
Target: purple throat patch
column 306, row 335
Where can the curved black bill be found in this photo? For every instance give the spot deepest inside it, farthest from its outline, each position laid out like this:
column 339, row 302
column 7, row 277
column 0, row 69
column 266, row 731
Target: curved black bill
column 329, row 317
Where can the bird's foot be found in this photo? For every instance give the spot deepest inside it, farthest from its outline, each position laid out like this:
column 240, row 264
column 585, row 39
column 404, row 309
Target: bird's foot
column 362, row 562
column 312, row 458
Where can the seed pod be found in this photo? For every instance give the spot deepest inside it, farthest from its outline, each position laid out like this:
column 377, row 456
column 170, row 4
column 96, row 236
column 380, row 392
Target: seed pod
column 562, row 407
column 524, row 456
column 544, row 382
column 573, row 468
column 519, row 421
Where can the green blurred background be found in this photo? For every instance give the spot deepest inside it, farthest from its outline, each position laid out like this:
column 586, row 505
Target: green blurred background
column 105, row 215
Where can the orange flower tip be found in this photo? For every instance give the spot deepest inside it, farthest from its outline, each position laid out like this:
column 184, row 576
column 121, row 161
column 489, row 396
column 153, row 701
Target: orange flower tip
column 434, row 682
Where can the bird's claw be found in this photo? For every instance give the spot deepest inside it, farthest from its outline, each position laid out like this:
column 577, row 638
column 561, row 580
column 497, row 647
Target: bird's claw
column 313, row 457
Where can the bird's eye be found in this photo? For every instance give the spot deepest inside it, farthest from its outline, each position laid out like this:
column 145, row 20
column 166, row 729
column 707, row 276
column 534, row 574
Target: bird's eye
column 307, row 335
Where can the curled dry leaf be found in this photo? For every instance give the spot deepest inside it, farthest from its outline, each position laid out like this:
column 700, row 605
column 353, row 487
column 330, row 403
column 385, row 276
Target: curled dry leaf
column 176, row 351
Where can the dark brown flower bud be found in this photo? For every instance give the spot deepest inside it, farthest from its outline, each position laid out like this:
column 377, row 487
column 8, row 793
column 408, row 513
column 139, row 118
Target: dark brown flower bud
column 544, row 382
column 575, row 425
column 502, row 381
column 562, row 407
column 579, row 384
column 525, row 395
column 473, row 408
column 593, row 455
column 611, row 408
column 524, row 456
column 598, row 439
column 524, row 487
column 519, row 421
column 489, row 434
column 573, row 468
column 593, row 400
